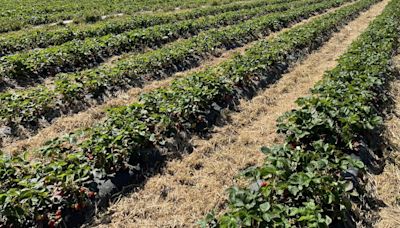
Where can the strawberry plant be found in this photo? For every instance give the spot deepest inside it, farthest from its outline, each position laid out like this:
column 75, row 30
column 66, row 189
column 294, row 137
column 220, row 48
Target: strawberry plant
column 307, row 185
column 24, row 14
column 69, row 166
column 72, row 89
column 42, row 38
column 78, row 54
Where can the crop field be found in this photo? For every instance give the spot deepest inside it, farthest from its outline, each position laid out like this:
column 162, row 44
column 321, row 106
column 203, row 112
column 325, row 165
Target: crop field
column 200, row 113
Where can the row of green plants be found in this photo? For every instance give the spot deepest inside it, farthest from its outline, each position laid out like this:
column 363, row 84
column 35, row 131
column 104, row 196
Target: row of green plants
column 78, row 54
column 56, row 35
column 25, row 14
column 302, row 182
column 28, row 107
column 43, row 190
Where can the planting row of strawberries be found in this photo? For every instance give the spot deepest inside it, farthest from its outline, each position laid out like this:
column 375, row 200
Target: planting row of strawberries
column 310, row 179
column 28, row 107
column 68, row 175
column 56, row 35
column 78, row 54
column 18, row 15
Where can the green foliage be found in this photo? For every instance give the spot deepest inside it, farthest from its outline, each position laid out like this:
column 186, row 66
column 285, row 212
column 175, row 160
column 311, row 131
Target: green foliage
column 44, row 37
column 16, row 15
column 40, row 191
column 300, row 184
column 78, row 54
column 71, row 89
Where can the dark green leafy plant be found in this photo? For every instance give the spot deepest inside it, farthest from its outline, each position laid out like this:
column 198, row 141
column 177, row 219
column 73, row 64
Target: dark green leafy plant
column 34, row 38
column 60, row 181
column 18, row 15
column 301, row 184
column 79, row 54
column 72, row 89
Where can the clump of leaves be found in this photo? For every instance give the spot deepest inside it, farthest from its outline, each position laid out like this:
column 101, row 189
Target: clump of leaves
column 301, row 183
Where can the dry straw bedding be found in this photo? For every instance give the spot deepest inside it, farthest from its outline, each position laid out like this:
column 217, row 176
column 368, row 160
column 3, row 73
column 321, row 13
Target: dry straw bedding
column 90, row 117
column 387, row 184
column 189, row 188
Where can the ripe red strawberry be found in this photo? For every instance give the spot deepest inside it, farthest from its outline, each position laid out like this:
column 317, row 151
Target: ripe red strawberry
column 293, row 145
column 77, row 206
column 91, row 195
column 52, row 223
column 264, row 184
column 58, row 214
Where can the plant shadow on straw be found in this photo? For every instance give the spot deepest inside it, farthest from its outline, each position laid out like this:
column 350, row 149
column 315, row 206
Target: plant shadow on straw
column 155, row 158
column 375, row 152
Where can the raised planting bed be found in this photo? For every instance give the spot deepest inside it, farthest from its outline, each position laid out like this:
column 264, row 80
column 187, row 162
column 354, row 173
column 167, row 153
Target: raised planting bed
column 75, row 174
column 331, row 140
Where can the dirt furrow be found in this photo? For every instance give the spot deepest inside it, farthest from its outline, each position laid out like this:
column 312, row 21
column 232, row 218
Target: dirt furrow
column 189, row 188
column 386, row 185
column 91, row 116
